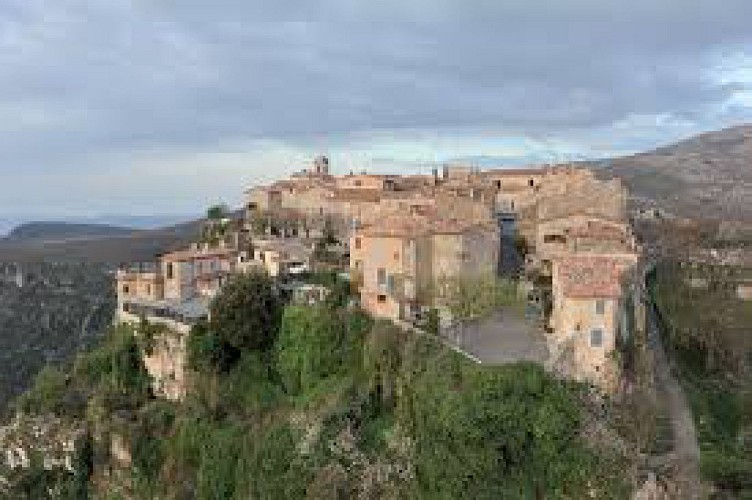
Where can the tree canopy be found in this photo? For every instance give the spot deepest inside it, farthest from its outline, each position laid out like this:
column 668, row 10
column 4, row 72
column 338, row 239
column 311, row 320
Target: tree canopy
column 246, row 314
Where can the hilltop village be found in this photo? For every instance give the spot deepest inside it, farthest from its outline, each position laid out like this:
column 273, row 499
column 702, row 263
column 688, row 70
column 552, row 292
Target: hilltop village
column 559, row 234
column 383, row 336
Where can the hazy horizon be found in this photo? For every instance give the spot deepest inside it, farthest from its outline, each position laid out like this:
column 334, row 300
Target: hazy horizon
column 8, row 223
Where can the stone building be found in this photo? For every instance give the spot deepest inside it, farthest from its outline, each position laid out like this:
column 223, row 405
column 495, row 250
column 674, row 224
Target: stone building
column 405, row 234
column 397, row 261
column 584, row 245
column 279, row 256
column 591, row 311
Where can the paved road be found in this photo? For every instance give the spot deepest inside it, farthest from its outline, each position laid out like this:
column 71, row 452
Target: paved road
column 503, row 337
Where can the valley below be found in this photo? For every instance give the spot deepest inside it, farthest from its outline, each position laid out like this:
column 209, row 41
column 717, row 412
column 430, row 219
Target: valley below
column 48, row 312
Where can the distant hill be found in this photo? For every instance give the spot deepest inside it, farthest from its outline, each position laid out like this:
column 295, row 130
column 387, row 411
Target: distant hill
column 121, row 245
column 59, row 231
column 705, row 177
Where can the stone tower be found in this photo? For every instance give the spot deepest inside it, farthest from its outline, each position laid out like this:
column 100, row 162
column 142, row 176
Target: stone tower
column 321, row 165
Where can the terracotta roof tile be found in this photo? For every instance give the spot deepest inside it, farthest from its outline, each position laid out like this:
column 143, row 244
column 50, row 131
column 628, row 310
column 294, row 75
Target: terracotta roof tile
column 592, row 276
column 600, row 230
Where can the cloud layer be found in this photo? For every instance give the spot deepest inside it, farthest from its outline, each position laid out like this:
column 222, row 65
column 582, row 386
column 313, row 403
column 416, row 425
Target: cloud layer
column 162, row 105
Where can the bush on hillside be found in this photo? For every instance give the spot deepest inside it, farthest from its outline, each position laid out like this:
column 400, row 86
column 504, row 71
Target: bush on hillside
column 508, row 432
column 47, row 394
column 315, row 342
column 245, row 316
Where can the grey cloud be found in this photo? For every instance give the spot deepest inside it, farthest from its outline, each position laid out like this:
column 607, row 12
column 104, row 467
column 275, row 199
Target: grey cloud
column 81, row 79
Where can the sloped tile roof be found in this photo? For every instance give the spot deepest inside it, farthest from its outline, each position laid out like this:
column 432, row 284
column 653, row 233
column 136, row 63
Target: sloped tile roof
column 592, row 276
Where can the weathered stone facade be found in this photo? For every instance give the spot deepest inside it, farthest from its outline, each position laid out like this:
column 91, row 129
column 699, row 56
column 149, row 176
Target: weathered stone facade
column 398, row 261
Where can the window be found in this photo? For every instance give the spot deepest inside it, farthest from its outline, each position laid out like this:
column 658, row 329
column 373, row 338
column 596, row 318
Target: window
column 600, row 307
column 381, row 276
column 170, row 271
column 357, row 243
column 396, row 256
column 554, row 238
column 531, row 183
column 126, row 289
column 498, row 184
column 381, row 299
column 596, row 337
column 390, row 283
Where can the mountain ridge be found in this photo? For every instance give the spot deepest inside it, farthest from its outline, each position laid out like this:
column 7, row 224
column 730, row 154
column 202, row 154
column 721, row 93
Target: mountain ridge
column 61, row 230
column 707, row 176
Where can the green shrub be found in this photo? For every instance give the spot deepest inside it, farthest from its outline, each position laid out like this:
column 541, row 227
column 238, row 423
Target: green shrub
column 117, row 363
column 272, row 466
column 510, row 432
column 729, row 471
column 245, row 316
column 207, row 352
column 47, row 394
column 316, row 342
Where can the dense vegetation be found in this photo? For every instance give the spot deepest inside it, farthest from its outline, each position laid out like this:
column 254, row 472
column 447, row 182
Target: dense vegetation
column 60, row 309
column 709, row 332
column 323, row 402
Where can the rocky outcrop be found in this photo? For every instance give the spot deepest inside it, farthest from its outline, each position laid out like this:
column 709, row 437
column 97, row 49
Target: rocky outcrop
column 655, row 488
column 52, row 440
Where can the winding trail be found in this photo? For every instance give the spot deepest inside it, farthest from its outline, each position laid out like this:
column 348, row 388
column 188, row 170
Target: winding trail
column 685, row 457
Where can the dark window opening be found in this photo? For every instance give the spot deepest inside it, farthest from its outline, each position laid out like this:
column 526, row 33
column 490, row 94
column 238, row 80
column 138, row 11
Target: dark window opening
column 554, row 238
column 600, row 306
column 381, row 276
column 596, row 337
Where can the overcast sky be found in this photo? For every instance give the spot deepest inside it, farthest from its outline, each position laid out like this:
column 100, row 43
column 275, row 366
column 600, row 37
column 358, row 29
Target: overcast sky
column 158, row 106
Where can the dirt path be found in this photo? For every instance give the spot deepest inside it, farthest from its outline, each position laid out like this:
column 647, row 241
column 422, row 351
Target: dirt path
column 685, row 457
